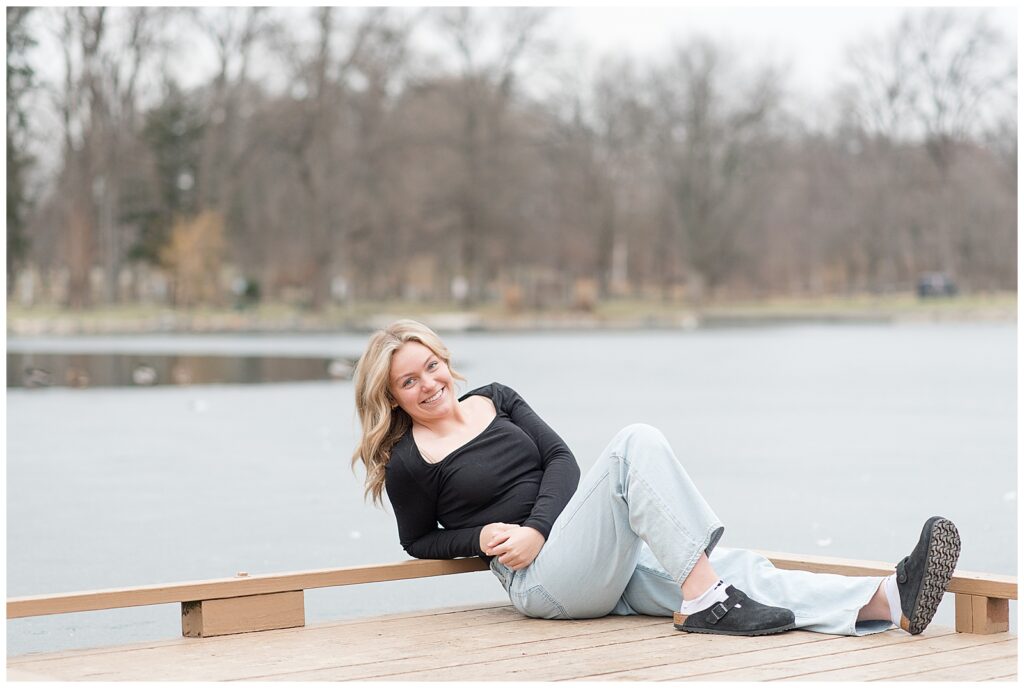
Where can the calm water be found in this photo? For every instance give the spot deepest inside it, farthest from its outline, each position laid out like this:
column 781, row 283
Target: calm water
column 822, row 440
column 90, row 370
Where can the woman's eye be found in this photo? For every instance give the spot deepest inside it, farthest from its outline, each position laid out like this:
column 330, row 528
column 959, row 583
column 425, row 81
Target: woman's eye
column 408, row 380
column 433, row 364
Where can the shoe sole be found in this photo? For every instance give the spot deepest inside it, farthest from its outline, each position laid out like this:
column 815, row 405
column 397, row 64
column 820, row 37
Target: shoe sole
column 767, row 631
column 943, row 552
column 678, row 620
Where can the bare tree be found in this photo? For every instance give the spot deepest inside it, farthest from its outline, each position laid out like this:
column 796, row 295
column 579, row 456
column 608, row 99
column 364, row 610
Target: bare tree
column 380, row 210
column 485, row 91
column 105, row 53
column 935, row 80
column 714, row 127
column 21, row 82
column 234, row 34
column 624, row 126
column 337, row 101
column 123, row 65
column 932, row 78
column 83, row 108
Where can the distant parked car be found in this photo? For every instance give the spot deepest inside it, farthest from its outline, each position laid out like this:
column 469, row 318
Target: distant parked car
column 931, row 284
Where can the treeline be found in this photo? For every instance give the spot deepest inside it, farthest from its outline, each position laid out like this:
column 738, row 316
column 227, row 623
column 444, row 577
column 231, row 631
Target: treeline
column 332, row 156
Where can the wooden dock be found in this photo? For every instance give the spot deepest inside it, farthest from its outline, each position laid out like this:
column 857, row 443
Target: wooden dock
column 497, row 643
column 253, row 628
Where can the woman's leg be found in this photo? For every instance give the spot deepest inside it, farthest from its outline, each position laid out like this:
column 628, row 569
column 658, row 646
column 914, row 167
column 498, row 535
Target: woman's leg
column 877, row 608
column 821, row 602
column 637, row 492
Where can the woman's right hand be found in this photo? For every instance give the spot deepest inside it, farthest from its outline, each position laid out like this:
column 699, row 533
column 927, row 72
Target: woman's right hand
column 493, row 534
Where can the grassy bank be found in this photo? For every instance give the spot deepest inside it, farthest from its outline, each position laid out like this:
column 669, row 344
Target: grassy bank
column 51, row 320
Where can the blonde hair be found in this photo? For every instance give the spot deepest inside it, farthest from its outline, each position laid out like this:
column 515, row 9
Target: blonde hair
column 383, row 424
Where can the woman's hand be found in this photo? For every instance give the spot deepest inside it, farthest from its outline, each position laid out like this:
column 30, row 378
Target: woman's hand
column 490, row 534
column 516, row 547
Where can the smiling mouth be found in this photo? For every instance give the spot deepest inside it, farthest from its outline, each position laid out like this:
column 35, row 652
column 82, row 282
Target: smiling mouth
column 434, row 399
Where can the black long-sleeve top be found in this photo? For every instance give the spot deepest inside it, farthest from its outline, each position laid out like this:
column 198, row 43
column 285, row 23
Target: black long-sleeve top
column 516, row 471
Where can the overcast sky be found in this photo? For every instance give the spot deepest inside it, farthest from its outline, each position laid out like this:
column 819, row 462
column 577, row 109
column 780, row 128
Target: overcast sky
column 812, row 40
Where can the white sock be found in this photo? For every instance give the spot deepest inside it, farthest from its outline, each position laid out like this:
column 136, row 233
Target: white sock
column 716, row 593
column 892, row 593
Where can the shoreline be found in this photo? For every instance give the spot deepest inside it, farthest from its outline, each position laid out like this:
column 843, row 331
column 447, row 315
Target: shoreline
column 897, row 310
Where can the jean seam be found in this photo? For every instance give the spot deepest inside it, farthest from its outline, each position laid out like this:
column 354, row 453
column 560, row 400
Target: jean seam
column 561, row 609
column 539, row 589
column 506, row 581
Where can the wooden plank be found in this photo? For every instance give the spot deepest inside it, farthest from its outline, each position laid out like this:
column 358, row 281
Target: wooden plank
column 515, row 633
column 507, row 646
column 964, row 605
column 872, row 668
column 971, row 671
column 399, row 616
column 344, row 635
column 544, row 663
column 470, row 655
column 850, row 656
column 22, row 675
column 753, row 656
column 984, row 615
column 278, row 652
column 300, row 653
column 968, row 582
column 398, row 625
column 258, row 584
column 522, row 662
column 207, row 618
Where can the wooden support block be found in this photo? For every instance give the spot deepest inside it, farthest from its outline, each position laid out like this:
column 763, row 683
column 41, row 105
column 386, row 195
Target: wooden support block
column 205, row 618
column 982, row 615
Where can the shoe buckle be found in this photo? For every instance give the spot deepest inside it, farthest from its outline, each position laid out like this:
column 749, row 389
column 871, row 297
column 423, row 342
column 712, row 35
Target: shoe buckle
column 717, row 612
column 901, row 570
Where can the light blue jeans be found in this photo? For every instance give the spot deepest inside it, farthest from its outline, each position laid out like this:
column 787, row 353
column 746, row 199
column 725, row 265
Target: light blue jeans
column 635, row 528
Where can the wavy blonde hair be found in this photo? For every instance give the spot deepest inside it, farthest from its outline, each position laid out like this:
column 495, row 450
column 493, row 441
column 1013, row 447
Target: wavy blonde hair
column 382, row 423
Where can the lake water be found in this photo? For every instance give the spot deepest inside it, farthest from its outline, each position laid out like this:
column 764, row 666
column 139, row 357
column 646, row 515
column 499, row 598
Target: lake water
column 857, row 433
column 82, row 370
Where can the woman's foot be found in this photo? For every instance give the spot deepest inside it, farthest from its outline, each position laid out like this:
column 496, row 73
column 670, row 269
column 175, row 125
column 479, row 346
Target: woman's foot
column 736, row 615
column 922, row 576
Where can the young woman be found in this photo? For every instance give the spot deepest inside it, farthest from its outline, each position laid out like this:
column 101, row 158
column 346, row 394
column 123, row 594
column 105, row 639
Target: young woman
column 633, row 537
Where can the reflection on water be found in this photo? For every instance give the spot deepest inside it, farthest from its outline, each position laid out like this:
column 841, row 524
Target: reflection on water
column 147, row 370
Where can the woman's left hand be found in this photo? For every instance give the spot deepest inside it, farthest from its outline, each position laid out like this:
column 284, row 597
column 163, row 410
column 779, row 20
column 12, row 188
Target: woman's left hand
column 520, row 547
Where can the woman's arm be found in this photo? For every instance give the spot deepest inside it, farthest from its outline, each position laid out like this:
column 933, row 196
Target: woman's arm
column 561, row 472
column 417, row 521
column 446, row 544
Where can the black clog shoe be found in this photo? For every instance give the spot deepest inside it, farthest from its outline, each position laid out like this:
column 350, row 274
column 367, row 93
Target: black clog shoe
column 737, row 615
column 923, row 575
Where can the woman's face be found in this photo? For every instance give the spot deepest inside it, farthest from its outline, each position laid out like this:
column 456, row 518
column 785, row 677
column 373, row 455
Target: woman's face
column 421, row 382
